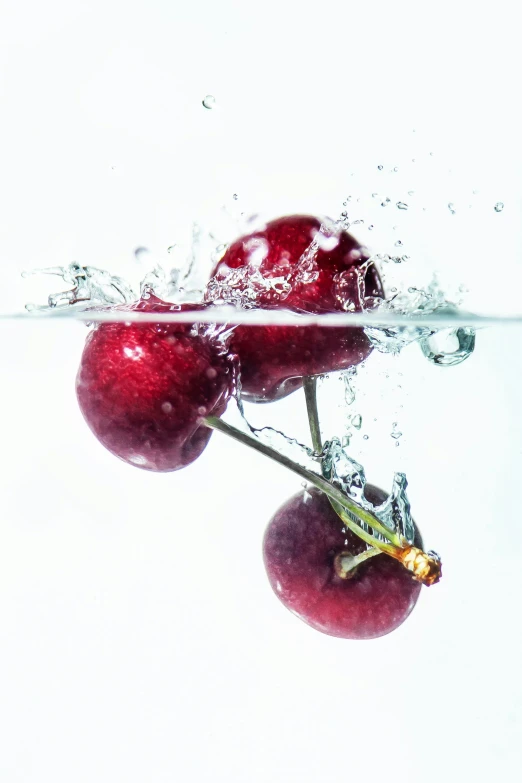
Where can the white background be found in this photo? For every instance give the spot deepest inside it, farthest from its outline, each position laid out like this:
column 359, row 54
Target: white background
column 139, row 639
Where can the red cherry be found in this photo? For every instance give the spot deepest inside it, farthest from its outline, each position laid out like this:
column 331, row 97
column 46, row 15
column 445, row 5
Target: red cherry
column 303, row 547
column 270, row 269
column 144, row 388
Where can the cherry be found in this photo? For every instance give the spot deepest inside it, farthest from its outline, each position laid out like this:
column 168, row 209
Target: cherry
column 307, row 558
column 294, row 265
column 144, row 388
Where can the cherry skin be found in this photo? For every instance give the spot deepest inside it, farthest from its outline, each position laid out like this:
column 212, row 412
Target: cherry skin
column 144, row 388
column 270, row 266
column 300, row 548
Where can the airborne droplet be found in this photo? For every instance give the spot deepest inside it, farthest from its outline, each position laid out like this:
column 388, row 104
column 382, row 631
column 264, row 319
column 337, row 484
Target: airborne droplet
column 209, row 102
column 142, row 255
column 499, row 206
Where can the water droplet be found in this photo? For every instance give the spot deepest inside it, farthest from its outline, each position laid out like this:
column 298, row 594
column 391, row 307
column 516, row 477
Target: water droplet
column 370, row 227
column 449, row 347
column 374, row 195
column 413, row 160
column 142, row 255
column 395, row 433
column 209, row 101
column 380, row 167
column 411, row 192
column 499, row 206
column 171, row 248
column 398, row 243
column 349, row 391
column 451, row 207
column 357, row 421
column 402, row 205
column 396, row 169
column 365, row 437
column 235, row 196
column 431, row 154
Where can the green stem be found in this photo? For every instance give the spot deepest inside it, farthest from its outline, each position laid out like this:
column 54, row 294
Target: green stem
column 310, row 390
column 371, row 552
column 390, row 549
column 351, row 512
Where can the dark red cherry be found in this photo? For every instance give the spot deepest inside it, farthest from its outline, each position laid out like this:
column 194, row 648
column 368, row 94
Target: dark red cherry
column 144, row 388
column 292, row 265
column 303, row 546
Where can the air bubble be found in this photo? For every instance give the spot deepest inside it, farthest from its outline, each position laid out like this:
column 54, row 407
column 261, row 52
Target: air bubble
column 499, row 206
column 209, row 101
column 449, row 347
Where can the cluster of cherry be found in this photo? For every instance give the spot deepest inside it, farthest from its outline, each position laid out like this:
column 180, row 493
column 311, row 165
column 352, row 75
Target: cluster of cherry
column 151, row 391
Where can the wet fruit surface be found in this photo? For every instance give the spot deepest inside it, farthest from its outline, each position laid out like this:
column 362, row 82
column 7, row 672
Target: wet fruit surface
column 291, row 264
column 144, row 388
column 300, row 547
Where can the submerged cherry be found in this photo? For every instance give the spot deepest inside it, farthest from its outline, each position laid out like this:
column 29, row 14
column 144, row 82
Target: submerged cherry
column 144, row 388
column 305, row 549
column 296, row 264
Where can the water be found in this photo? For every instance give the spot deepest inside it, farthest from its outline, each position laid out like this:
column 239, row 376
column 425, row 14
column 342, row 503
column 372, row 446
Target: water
column 139, row 637
column 106, row 554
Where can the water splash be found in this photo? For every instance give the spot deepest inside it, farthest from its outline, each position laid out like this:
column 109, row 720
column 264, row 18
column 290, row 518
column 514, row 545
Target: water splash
column 348, row 378
column 451, row 347
column 349, row 475
column 89, row 284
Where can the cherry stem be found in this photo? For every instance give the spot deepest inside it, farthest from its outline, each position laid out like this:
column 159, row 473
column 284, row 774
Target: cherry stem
column 350, row 513
column 345, row 564
column 310, row 390
column 426, row 568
